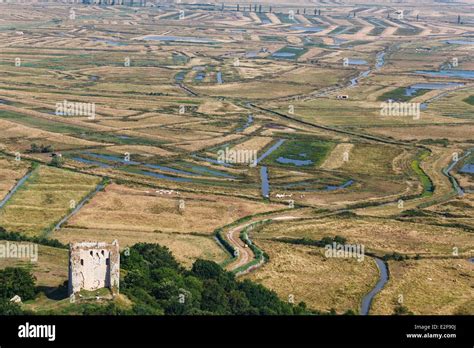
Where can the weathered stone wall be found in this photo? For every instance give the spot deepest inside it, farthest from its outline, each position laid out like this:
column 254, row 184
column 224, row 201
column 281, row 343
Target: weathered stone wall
column 94, row 265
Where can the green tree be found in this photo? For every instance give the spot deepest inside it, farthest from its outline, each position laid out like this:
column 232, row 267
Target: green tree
column 34, row 148
column 57, row 161
column 204, row 269
column 214, row 298
column 9, row 308
column 238, row 303
column 17, row 281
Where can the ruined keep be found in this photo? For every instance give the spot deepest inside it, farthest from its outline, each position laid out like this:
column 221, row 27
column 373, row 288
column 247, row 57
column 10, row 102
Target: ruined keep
column 94, row 265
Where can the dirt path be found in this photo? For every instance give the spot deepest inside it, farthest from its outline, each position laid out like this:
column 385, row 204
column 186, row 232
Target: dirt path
column 243, row 253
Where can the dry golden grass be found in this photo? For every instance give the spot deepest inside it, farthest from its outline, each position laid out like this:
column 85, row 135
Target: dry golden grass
column 139, row 150
column 133, row 209
column 19, row 137
column 215, row 107
column 336, row 158
column 197, row 145
column 323, row 283
column 382, row 236
column 10, row 172
column 253, row 144
column 44, row 199
column 439, row 287
column 451, row 132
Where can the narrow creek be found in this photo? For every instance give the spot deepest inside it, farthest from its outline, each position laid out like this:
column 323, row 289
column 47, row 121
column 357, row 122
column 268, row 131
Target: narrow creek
column 265, row 184
column 383, row 278
column 447, row 172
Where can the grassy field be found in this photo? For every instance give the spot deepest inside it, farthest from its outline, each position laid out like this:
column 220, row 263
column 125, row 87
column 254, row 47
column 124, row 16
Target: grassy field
column 303, row 273
column 47, row 196
column 161, row 103
column 380, row 236
column 10, row 172
column 301, row 149
column 143, row 210
column 434, row 287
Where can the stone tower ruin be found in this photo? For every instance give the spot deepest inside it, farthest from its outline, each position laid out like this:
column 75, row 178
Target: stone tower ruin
column 94, row 265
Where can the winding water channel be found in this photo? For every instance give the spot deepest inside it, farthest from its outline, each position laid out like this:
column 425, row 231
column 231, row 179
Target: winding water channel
column 383, row 279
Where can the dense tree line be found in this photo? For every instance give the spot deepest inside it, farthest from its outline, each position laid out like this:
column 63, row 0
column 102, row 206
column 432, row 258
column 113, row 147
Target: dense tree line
column 157, row 284
column 35, row 148
column 15, row 281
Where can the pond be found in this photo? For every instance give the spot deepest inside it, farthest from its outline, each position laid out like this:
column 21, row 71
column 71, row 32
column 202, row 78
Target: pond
column 459, row 42
column 110, row 42
column 409, row 91
column 200, row 76
column 463, row 74
column 339, row 187
column 296, row 162
column 467, row 168
column 265, row 183
column 219, row 78
column 357, row 61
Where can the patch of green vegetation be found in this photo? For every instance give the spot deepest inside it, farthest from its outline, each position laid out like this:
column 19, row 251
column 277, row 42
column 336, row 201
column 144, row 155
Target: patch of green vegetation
column 17, row 281
column 99, row 292
column 355, row 43
column 408, row 31
column 395, row 257
column 353, row 30
column 154, row 281
column 402, row 310
column 179, row 59
column 289, row 52
column 301, row 149
column 414, row 213
column 377, row 31
column 444, row 142
column 311, row 242
column 428, row 187
column 469, row 100
column 399, row 94
column 272, row 38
